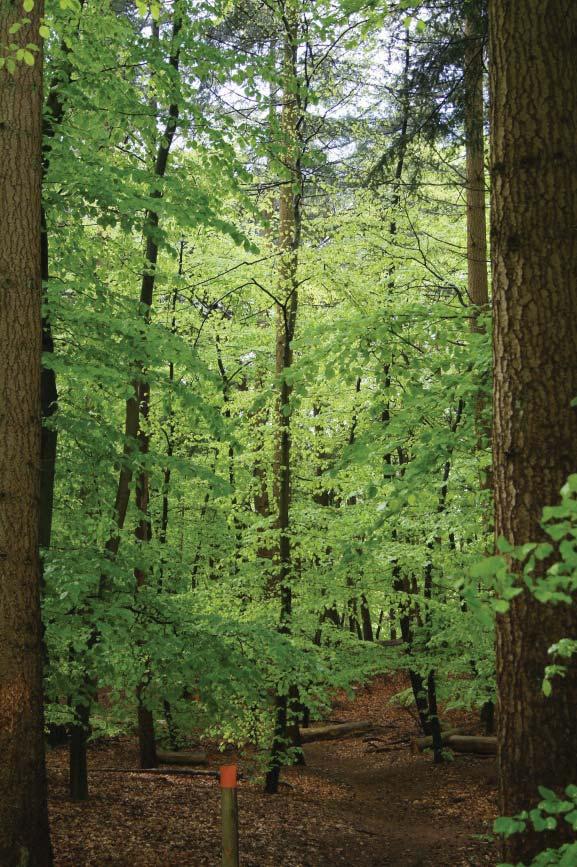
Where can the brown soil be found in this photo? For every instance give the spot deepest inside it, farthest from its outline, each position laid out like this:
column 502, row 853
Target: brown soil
column 361, row 802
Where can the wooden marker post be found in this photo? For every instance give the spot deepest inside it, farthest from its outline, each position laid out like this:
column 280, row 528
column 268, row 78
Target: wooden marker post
column 229, row 816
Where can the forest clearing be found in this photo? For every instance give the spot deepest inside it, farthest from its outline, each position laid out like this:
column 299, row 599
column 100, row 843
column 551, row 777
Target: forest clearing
column 366, row 801
column 288, row 433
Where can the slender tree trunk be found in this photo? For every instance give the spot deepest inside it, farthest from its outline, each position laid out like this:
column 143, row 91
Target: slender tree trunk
column 477, row 251
column 226, row 384
column 289, row 241
column 261, row 497
column 404, row 609
column 170, row 430
column 49, row 403
column 78, row 758
column 136, row 438
column 434, row 724
column 24, row 835
column 534, row 255
column 53, row 117
column 262, row 500
column 146, row 737
column 361, row 625
column 366, row 621
column 401, row 584
column 478, row 283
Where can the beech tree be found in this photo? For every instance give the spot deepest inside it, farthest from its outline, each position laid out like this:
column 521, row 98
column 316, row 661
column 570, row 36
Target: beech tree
column 24, row 836
column 534, row 250
column 244, row 504
column 286, row 314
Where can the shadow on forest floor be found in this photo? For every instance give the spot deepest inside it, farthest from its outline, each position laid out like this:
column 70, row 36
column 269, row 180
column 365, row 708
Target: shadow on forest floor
column 351, row 806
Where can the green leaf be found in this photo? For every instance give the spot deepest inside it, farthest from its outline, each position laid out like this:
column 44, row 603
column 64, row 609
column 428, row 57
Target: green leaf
column 547, row 794
column 487, row 567
column 508, row 825
column 504, row 545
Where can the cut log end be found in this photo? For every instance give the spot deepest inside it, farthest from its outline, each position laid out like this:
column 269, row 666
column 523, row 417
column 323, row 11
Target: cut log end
column 426, row 743
column 485, row 746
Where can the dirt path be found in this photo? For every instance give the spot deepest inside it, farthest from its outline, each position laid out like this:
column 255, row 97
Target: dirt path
column 349, row 807
column 412, row 813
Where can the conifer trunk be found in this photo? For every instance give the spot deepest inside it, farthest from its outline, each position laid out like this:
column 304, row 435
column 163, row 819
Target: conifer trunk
column 477, row 283
column 24, row 835
column 477, row 250
column 534, row 253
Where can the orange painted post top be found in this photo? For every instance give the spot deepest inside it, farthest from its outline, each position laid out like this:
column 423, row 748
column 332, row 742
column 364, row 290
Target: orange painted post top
column 228, row 775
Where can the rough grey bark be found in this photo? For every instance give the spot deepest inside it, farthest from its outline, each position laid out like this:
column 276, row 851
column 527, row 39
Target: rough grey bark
column 534, row 254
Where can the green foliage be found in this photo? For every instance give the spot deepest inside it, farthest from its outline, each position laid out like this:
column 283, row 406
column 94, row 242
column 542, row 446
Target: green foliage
column 545, row 817
column 388, row 511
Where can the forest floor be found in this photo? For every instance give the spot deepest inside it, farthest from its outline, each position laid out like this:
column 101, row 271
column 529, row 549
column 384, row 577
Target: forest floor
column 350, row 806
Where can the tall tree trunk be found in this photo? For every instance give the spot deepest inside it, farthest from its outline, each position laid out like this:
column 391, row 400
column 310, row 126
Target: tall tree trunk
column 170, row 429
column 136, row 437
column 53, row 117
column 405, row 609
column 173, row 734
column 478, row 283
column 24, row 835
column 534, row 254
column 146, row 738
column 289, row 241
column 79, row 728
column 477, row 251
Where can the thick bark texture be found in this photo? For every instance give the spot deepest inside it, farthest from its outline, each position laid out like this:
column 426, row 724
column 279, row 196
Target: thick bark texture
column 534, row 252
column 24, row 837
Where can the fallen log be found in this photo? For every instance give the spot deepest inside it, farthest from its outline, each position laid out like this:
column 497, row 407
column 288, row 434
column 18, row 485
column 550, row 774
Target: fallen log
column 164, row 772
column 426, row 743
column 485, row 746
column 390, row 746
column 334, row 732
column 198, row 757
